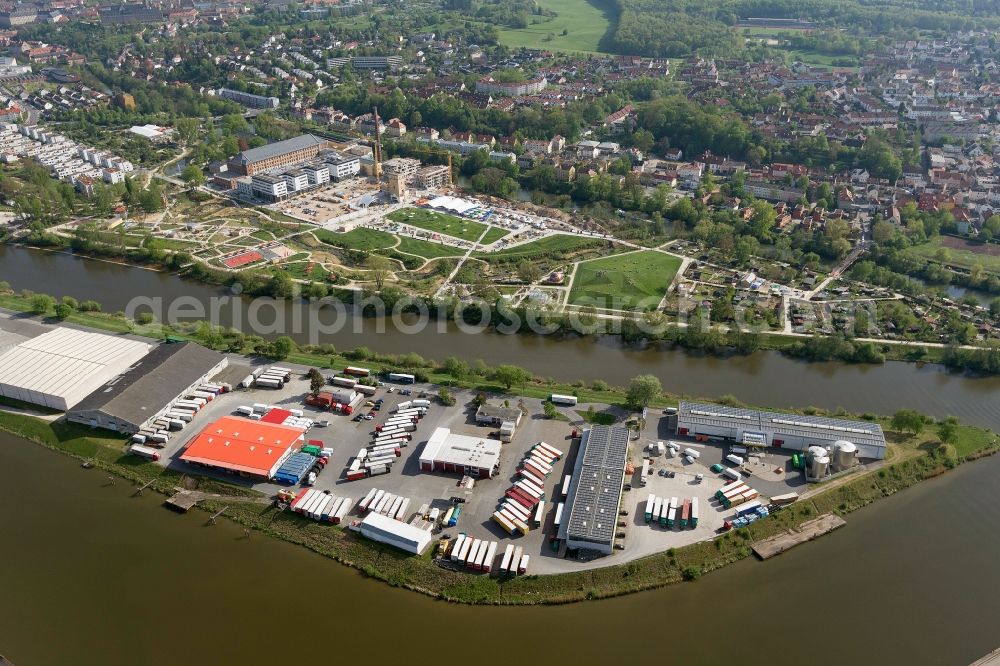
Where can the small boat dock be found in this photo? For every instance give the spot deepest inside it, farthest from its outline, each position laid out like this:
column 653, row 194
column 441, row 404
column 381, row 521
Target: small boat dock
column 808, row 531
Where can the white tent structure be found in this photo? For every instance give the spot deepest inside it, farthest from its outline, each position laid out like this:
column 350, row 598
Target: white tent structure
column 60, row 368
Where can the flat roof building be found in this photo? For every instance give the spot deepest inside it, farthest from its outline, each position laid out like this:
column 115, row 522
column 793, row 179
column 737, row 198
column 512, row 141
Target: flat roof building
column 462, row 454
column 149, row 388
column 60, row 368
column 241, row 446
column 790, row 431
column 596, row 489
column 396, row 533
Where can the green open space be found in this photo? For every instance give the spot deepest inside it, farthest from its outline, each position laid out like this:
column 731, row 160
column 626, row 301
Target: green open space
column 625, row 280
column 494, row 234
column 556, row 245
column 963, row 257
column 426, row 249
column 441, row 223
column 584, row 23
column 366, row 240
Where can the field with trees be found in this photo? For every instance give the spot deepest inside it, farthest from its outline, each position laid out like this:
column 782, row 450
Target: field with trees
column 579, row 25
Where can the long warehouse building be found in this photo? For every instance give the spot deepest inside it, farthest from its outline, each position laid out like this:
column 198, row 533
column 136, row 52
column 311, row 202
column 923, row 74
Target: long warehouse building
column 446, row 452
column 596, row 489
column 149, row 388
column 753, row 427
column 60, row 368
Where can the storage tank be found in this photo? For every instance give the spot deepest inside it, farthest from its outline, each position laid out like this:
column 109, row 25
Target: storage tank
column 816, row 452
column 818, row 466
column 845, row 454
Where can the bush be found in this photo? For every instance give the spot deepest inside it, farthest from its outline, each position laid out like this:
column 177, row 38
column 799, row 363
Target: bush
column 691, row 572
column 89, row 306
column 63, row 311
column 41, row 304
column 599, row 385
column 144, row 318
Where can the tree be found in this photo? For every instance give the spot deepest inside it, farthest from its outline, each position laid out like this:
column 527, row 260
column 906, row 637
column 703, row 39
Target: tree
column 282, row 347
column 948, row 430
column 642, row 390
column 456, row 367
column 41, row 304
column 380, row 268
column 316, row 381
column 508, row 375
column 549, row 410
column 908, row 420
column 445, row 397
column 193, row 176
column 63, row 311
column 528, row 272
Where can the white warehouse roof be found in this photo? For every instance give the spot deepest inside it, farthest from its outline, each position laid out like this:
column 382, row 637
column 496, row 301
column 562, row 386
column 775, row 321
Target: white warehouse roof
column 460, row 450
column 60, row 368
column 395, row 533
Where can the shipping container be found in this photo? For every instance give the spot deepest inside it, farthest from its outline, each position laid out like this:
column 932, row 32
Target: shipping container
column 545, row 467
column 365, row 390
column 736, row 460
column 334, row 508
column 404, row 405
column 396, row 503
column 691, row 453
column 484, row 548
column 528, row 475
column 503, row 521
column 491, row 556
column 694, row 512
column 454, row 515
column 242, row 410
column 295, row 503
column 446, row 518
column 521, row 498
column 523, row 566
column 518, row 510
column 463, row 554
column 672, row 514
column 508, row 553
column 343, row 510
column 420, row 402
column 401, row 377
column 534, row 486
column 470, row 558
column 650, row 501
column 559, row 513
column 268, row 383
column 345, row 382
column 456, row 548
column 664, row 512
column 548, row 448
column 355, row 371
column 535, row 469
column 403, row 509
column 731, row 473
column 557, row 399
column 515, row 561
column 144, row 452
column 539, row 514
column 379, row 504
column 565, row 485
column 434, row 514
column 530, row 490
column 685, row 513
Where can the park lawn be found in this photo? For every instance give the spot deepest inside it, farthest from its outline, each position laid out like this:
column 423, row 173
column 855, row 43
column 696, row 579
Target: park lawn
column 366, row 240
column 303, row 271
column 426, row 249
column 963, row 258
column 493, row 235
column 624, row 281
column 457, row 227
column 585, row 22
column 555, row 245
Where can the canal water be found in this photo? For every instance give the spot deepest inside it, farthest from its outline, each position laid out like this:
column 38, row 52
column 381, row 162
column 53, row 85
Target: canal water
column 91, row 575
column 766, row 378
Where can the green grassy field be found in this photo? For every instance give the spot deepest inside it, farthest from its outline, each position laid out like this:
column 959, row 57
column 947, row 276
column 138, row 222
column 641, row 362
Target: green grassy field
column 430, row 220
column 494, row 234
column 585, row 24
column 963, row 258
column 625, row 280
column 549, row 246
column 363, row 239
column 426, row 249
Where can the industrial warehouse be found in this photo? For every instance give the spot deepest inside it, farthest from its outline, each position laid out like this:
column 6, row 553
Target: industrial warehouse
column 596, row 491
column 752, row 427
column 62, row 366
column 131, row 401
column 474, row 456
column 250, row 448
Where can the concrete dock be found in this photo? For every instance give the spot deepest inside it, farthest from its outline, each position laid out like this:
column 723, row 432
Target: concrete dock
column 806, row 532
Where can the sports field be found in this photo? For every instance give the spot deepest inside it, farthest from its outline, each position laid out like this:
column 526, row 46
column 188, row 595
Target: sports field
column 585, row 23
column 430, row 220
column 636, row 279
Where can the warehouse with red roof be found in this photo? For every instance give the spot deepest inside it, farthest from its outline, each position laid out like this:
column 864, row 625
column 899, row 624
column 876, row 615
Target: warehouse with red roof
column 241, row 446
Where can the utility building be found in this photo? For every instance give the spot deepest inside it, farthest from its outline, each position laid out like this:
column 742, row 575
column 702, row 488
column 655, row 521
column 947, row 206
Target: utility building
column 446, row 452
column 596, row 489
column 753, row 427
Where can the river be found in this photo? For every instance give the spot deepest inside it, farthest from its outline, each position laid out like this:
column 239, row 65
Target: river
column 94, row 576
column 765, row 378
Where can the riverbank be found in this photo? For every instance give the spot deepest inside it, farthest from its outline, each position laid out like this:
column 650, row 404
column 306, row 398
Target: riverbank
column 913, row 458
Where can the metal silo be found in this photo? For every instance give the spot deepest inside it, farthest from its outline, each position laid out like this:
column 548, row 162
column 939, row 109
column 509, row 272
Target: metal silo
column 845, row 454
column 819, row 466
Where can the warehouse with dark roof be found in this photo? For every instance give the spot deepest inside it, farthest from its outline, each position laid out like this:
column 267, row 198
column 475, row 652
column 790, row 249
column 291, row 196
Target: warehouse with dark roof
column 596, row 489
column 148, row 388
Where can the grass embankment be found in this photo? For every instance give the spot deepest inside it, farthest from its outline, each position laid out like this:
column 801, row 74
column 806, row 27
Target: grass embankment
column 624, row 280
column 580, row 26
column 429, row 220
column 365, row 240
column 493, row 235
